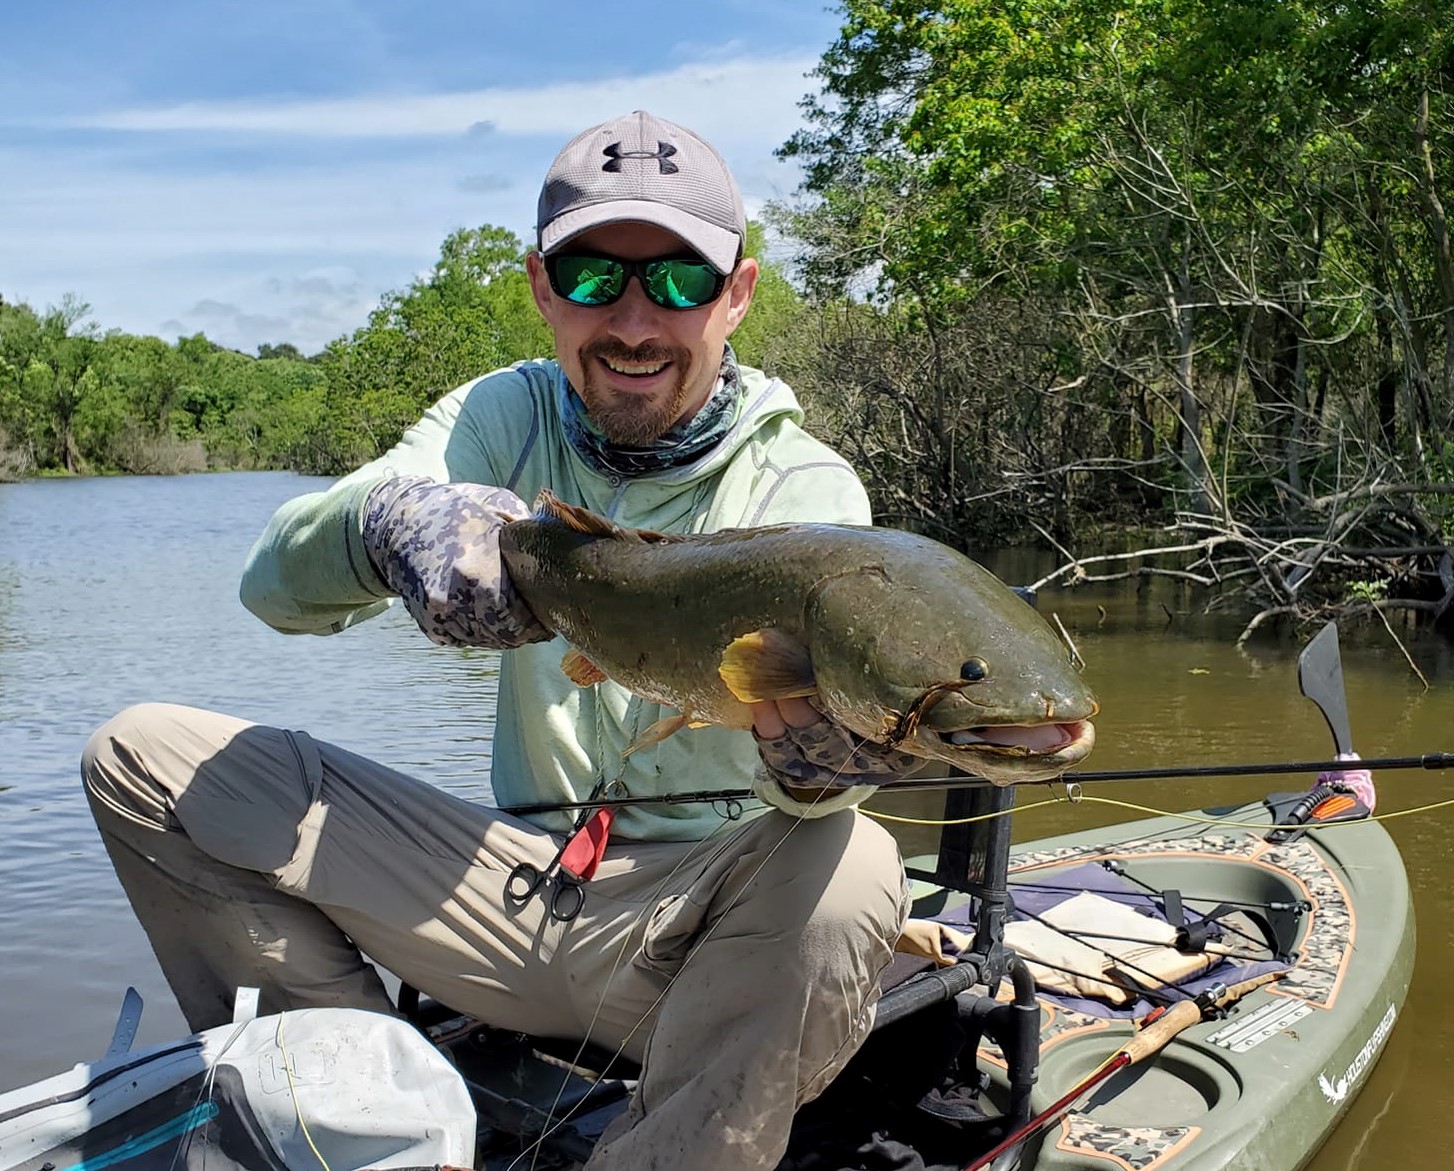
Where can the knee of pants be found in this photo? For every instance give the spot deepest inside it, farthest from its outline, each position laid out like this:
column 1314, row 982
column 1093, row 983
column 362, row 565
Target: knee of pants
column 851, row 865
column 112, row 770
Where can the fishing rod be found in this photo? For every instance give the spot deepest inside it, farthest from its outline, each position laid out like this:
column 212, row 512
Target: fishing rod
column 1146, row 1043
column 1430, row 761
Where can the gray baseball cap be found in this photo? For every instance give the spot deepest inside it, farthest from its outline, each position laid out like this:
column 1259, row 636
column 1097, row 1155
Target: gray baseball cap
column 643, row 169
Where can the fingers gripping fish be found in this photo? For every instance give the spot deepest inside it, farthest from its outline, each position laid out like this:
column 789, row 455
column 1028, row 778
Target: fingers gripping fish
column 900, row 639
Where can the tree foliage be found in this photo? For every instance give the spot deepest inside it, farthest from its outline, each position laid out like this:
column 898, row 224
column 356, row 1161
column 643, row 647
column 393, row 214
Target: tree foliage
column 1202, row 245
column 75, row 399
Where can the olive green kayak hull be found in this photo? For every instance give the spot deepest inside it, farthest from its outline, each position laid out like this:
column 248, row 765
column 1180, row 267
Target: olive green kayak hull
column 1263, row 1087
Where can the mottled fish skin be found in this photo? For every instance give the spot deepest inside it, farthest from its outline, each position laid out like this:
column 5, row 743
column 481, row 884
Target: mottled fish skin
column 885, row 616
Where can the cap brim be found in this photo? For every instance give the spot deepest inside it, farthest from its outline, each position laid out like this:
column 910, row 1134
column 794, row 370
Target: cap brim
column 717, row 246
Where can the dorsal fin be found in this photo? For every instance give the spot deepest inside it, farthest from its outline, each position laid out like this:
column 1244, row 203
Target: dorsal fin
column 583, row 520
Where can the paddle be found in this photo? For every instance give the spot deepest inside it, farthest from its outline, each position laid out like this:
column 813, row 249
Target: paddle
column 1320, row 678
column 1146, row 1043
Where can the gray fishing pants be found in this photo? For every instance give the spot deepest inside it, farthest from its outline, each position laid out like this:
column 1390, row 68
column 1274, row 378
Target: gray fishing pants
column 742, row 970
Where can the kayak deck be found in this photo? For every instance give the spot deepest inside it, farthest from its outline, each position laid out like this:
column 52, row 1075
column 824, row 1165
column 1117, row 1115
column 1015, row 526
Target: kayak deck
column 1263, row 1087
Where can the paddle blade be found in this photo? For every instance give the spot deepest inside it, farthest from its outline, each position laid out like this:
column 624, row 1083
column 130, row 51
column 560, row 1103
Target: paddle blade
column 1320, row 678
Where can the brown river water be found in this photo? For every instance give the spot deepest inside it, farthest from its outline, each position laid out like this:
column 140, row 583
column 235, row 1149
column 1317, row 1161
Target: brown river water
column 119, row 590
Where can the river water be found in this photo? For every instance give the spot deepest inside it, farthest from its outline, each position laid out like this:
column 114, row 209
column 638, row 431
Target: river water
column 114, row 591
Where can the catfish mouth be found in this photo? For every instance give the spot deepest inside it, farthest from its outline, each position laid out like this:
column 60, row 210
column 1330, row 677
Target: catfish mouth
column 1004, row 753
column 1021, row 739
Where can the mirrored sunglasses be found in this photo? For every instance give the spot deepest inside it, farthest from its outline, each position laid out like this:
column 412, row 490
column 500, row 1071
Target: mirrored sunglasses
column 683, row 283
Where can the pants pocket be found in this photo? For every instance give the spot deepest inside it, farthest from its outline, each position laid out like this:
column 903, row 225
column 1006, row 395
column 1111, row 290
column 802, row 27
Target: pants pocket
column 671, row 931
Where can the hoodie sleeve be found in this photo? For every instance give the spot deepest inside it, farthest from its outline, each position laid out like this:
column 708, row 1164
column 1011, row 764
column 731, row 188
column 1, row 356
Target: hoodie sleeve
column 309, row 573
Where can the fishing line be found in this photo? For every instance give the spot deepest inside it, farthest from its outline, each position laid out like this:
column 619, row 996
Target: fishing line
column 535, row 1148
column 207, row 1089
column 1320, row 827
column 1428, row 762
column 293, row 1092
column 1196, row 819
column 552, row 1125
column 894, row 817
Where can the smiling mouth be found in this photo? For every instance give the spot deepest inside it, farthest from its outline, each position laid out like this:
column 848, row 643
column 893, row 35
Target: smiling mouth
column 634, row 369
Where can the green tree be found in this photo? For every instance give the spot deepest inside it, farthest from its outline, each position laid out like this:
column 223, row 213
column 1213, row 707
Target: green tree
column 472, row 314
column 1203, row 197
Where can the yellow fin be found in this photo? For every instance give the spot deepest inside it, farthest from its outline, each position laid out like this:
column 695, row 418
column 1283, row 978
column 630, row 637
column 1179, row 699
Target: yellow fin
column 580, row 670
column 583, row 520
column 663, row 728
column 767, row 664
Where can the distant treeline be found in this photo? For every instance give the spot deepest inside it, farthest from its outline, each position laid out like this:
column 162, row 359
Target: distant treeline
column 1055, row 266
column 77, row 399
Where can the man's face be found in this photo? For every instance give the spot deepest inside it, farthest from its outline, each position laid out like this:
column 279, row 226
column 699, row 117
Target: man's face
column 640, row 368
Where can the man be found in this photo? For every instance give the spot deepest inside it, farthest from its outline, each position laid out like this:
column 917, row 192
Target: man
column 738, row 961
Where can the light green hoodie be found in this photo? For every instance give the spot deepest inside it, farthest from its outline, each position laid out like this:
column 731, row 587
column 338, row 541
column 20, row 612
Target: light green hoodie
column 553, row 740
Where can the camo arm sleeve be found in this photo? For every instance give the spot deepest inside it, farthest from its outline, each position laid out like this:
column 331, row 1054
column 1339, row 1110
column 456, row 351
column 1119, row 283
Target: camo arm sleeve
column 840, row 767
column 438, row 547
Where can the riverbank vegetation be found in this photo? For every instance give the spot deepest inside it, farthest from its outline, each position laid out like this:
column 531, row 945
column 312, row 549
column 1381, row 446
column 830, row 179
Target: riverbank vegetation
column 1053, row 268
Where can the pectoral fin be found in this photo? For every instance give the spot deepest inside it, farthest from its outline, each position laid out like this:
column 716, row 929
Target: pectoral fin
column 659, row 731
column 767, row 664
column 580, row 670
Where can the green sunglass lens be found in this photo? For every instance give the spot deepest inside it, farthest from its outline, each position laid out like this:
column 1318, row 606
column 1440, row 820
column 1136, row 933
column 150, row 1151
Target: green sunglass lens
column 682, row 284
column 589, row 280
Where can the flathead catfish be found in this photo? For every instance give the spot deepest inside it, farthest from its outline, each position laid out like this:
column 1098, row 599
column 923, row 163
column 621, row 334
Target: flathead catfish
column 895, row 636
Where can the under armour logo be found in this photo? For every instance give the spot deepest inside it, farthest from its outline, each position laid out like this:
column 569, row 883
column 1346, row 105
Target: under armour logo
column 662, row 154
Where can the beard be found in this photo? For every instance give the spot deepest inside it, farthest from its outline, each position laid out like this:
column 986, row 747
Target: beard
column 634, row 420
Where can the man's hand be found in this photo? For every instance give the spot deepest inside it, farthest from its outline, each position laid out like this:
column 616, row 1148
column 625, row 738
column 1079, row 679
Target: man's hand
column 809, row 755
column 438, row 547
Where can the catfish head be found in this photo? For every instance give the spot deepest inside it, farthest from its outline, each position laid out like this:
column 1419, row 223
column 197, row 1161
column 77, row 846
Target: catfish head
column 928, row 651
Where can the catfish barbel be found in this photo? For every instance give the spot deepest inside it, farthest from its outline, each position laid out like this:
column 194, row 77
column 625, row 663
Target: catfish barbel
column 900, row 639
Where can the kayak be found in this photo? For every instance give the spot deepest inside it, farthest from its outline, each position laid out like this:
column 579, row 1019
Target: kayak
column 1325, row 919
column 1186, row 992
column 1264, row 1086
column 1327, row 913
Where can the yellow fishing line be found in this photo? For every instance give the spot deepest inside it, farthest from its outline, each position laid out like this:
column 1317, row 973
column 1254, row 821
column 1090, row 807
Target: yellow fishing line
column 293, row 1090
column 1147, row 809
column 962, row 820
column 1415, row 809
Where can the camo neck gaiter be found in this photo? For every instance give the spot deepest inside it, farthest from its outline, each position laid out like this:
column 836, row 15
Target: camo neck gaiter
column 684, row 443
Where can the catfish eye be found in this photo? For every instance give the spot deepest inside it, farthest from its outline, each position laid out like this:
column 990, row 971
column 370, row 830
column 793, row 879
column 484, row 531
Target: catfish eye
column 974, row 670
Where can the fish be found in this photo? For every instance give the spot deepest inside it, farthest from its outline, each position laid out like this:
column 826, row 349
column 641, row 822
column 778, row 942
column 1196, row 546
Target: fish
column 891, row 634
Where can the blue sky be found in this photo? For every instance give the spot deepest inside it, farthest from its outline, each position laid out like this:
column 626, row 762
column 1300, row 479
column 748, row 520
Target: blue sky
column 263, row 171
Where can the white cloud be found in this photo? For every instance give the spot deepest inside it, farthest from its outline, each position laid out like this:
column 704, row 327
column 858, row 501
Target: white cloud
column 148, row 225
column 724, row 101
